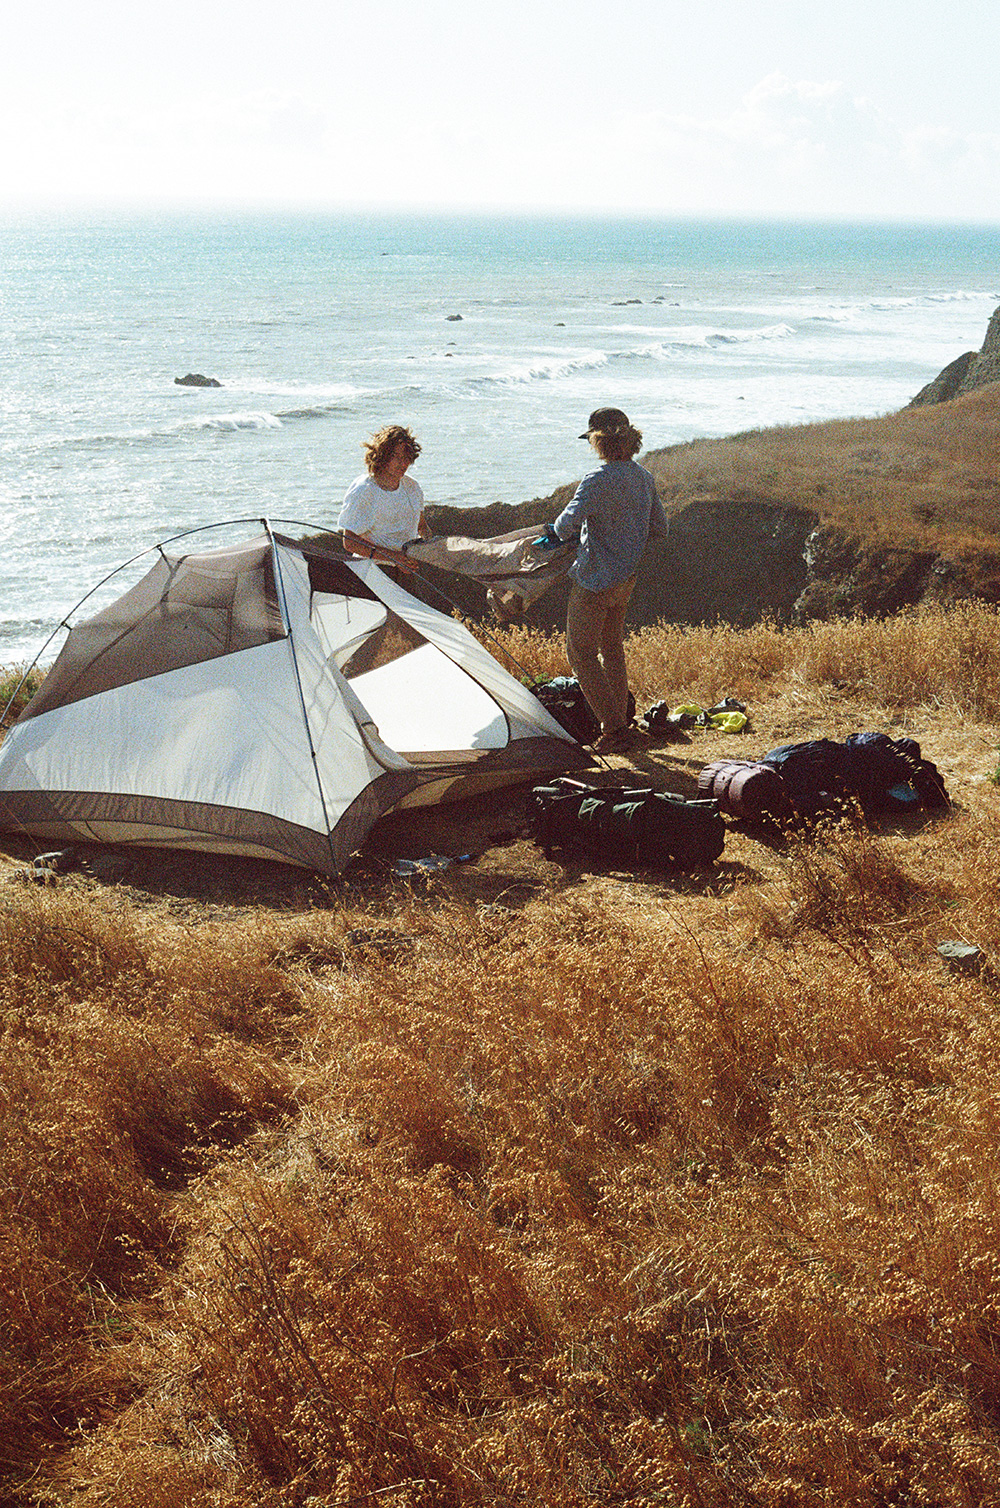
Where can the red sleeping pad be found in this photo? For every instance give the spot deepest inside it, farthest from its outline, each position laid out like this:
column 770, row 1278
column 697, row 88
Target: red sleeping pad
column 745, row 789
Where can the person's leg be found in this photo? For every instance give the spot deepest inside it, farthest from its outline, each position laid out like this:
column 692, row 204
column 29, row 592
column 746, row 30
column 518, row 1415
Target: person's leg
column 612, row 650
column 585, row 615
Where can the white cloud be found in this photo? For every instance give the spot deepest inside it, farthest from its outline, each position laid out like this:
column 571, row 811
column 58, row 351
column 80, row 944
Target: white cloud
column 787, row 147
column 808, row 146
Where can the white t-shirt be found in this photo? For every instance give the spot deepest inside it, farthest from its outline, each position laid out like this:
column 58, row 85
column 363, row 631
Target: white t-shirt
column 388, row 518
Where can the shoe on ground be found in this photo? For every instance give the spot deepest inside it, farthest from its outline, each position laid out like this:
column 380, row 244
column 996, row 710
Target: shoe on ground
column 616, row 741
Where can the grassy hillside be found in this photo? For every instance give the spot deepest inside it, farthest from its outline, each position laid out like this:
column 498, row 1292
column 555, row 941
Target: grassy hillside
column 926, row 478
column 540, row 1184
column 802, row 522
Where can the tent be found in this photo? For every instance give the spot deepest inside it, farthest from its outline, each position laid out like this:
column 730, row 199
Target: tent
column 272, row 699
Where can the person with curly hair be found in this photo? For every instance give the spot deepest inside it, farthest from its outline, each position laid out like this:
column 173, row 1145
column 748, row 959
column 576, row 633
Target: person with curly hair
column 383, row 510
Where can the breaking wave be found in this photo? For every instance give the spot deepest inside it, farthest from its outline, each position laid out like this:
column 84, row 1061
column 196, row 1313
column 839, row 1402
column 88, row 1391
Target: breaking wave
column 543, row 371
column 747, row 337
column 226, row 423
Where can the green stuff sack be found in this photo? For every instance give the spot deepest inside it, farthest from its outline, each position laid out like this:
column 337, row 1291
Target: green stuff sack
column 621, row 825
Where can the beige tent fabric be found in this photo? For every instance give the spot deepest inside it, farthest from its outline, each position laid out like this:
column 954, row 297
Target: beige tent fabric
column 514, row 573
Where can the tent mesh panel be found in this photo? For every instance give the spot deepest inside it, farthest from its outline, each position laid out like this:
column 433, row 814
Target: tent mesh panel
column 186, row 609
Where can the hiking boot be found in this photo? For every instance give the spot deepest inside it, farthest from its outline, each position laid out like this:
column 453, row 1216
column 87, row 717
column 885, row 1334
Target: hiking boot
column 617, row 741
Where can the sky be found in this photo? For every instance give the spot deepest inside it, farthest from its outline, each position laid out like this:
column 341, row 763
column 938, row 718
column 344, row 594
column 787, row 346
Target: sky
column 870, row 109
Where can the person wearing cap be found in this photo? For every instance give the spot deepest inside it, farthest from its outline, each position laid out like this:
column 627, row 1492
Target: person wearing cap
column 612, row 514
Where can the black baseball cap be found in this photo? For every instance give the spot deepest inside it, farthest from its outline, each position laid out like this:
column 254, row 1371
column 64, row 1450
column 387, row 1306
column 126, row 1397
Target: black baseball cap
column 607, row 420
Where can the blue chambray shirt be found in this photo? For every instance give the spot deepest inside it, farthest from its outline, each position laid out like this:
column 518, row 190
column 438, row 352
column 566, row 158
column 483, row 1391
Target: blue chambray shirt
column 613, row 512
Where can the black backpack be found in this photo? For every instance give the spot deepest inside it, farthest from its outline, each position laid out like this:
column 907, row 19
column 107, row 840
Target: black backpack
column 813, row 775
column 562, row 696
column 877, row 772
column 889, row 774
column 627, row 825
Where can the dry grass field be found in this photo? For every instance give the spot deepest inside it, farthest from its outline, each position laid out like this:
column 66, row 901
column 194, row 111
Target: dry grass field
column 927, row 477
column 535, row 1183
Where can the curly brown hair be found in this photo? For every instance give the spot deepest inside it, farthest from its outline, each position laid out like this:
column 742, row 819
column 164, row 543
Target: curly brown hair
column 381, row 446
column 616, row 444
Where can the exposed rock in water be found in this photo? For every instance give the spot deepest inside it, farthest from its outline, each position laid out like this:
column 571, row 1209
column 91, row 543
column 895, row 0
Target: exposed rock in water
column 971, row 370
column 195, row 379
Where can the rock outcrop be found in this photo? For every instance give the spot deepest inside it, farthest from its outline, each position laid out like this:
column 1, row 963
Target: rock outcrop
column 970, row 370
column 948, row 381
column 195, row 379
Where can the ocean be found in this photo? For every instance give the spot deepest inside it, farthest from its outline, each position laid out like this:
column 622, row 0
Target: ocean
column 492, row 338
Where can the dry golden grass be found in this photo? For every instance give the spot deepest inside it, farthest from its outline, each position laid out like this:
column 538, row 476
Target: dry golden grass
column 945, row 659
column 593, row 1188
column 927, row 477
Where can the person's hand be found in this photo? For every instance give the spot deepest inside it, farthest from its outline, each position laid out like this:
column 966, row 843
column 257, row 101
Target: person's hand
column 548, row 541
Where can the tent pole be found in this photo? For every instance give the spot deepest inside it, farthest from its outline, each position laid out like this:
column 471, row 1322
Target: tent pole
column 283, row 603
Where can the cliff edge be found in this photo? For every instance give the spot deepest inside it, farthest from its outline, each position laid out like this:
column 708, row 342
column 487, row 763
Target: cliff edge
column 792, row 524
column 967, row 372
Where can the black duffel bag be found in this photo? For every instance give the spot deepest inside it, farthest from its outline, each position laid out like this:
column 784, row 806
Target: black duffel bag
column 626, row 824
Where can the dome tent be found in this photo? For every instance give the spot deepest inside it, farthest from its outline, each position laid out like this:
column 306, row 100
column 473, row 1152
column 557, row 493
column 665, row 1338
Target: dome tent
column 270, row 699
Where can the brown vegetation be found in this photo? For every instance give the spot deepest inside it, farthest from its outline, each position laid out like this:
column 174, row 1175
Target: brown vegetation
column 802, row 522
column 535, row 1185
column 925, row 478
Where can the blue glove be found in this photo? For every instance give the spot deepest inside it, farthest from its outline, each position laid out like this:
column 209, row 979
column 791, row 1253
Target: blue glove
column 548, row 541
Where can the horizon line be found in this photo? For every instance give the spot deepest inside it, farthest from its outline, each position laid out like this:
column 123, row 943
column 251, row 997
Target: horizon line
column 39, row 206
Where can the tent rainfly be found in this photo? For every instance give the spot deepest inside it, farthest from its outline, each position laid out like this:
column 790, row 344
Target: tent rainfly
column 271, row 700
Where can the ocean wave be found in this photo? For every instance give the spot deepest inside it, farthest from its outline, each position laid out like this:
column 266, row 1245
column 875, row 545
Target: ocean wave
column 545, row 371
column 699, row 340
column 226, row 423
column 304, row 392
column 129, row 438
column 833, row 317
column 316, row 411
column 23, row 628
column 693, row 339
column 962, row 296
column 882, row 304
column 924, row 300
column 748, row 337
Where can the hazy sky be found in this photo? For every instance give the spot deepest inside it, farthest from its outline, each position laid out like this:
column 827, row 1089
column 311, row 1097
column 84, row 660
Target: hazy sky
column 873, row 108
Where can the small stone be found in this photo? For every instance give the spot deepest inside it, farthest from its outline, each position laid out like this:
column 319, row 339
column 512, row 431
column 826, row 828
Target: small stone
column 963, row 956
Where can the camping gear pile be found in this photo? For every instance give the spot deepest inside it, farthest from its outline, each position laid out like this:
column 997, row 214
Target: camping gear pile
column 727, row 716
column 792, row 786
column 805, row 781
column 632, row 825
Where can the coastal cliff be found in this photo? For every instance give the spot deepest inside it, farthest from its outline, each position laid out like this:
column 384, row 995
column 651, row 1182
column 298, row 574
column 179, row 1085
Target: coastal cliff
column 739, row 560
column 967, row 372
column 793, row 524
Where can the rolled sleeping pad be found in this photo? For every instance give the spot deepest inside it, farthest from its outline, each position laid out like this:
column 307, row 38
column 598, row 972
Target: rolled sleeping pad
column 743, row 788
